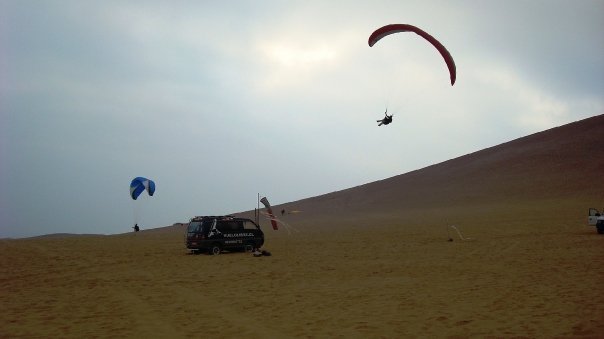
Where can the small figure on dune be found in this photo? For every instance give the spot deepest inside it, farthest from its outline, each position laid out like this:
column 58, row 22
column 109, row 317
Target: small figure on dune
column 136, row 229
column 387, row 119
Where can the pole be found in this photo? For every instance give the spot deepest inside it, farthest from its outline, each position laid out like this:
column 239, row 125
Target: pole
column 257, row 212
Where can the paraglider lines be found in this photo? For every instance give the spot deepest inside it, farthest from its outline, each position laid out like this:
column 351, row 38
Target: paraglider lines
column 458, row 232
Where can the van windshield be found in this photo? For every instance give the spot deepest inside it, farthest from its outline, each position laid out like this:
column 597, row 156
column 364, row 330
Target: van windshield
column 199, row 226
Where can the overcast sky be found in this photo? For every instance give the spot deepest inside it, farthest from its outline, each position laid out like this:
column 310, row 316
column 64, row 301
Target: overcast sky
column 217, row 101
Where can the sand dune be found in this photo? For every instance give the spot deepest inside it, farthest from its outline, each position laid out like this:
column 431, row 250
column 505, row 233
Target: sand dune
column 370, row 261
column 562, row 166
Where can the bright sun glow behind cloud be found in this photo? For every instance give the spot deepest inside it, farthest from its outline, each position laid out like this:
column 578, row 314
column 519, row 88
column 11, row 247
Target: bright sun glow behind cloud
column 288, row 55
column 287, row 64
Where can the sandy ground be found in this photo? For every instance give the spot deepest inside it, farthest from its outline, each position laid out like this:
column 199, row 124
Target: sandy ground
column 515, row 280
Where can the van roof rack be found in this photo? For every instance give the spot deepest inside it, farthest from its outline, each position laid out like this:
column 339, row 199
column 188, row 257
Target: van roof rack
column 201, row 217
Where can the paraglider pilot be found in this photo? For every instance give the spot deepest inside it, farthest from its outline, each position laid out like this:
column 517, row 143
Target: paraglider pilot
column 136, row 229
column 387, row 119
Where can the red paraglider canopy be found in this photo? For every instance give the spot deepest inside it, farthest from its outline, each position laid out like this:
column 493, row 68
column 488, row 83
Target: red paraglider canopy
column 397, row 28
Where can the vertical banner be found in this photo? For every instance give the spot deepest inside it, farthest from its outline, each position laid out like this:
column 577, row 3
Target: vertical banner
column 266, row 204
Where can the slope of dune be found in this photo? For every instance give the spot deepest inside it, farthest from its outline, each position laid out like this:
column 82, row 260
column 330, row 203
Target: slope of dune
column 550, row 173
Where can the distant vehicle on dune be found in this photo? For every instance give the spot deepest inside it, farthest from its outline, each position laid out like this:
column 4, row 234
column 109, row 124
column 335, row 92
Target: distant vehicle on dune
column 596, row 218
column 600, row 225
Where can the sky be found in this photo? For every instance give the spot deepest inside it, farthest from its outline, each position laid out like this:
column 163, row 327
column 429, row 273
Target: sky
column 219, row 101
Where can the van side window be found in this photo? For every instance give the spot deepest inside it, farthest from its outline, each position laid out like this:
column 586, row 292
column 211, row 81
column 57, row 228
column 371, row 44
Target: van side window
column 230, row 226
column 249, row 225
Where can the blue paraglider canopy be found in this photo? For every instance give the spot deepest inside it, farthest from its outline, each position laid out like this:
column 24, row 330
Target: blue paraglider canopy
column 140, row 184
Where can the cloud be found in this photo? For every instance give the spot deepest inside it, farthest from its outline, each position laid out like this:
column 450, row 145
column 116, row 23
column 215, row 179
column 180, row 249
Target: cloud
column 531, row 107
column 553, row 43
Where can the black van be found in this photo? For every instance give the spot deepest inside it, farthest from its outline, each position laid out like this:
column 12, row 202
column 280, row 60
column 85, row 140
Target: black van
column 212, row 234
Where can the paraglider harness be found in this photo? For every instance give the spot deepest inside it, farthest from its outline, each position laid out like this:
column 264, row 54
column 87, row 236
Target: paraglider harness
column 387, row 119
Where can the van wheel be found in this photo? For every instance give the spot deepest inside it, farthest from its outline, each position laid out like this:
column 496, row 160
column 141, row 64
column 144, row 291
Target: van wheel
column 215, row 249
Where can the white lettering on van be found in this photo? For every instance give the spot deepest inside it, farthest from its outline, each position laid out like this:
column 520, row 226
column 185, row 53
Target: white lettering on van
column 237, row 235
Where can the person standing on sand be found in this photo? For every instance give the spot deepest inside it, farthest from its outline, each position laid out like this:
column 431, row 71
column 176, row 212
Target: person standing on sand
column 136, row 229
